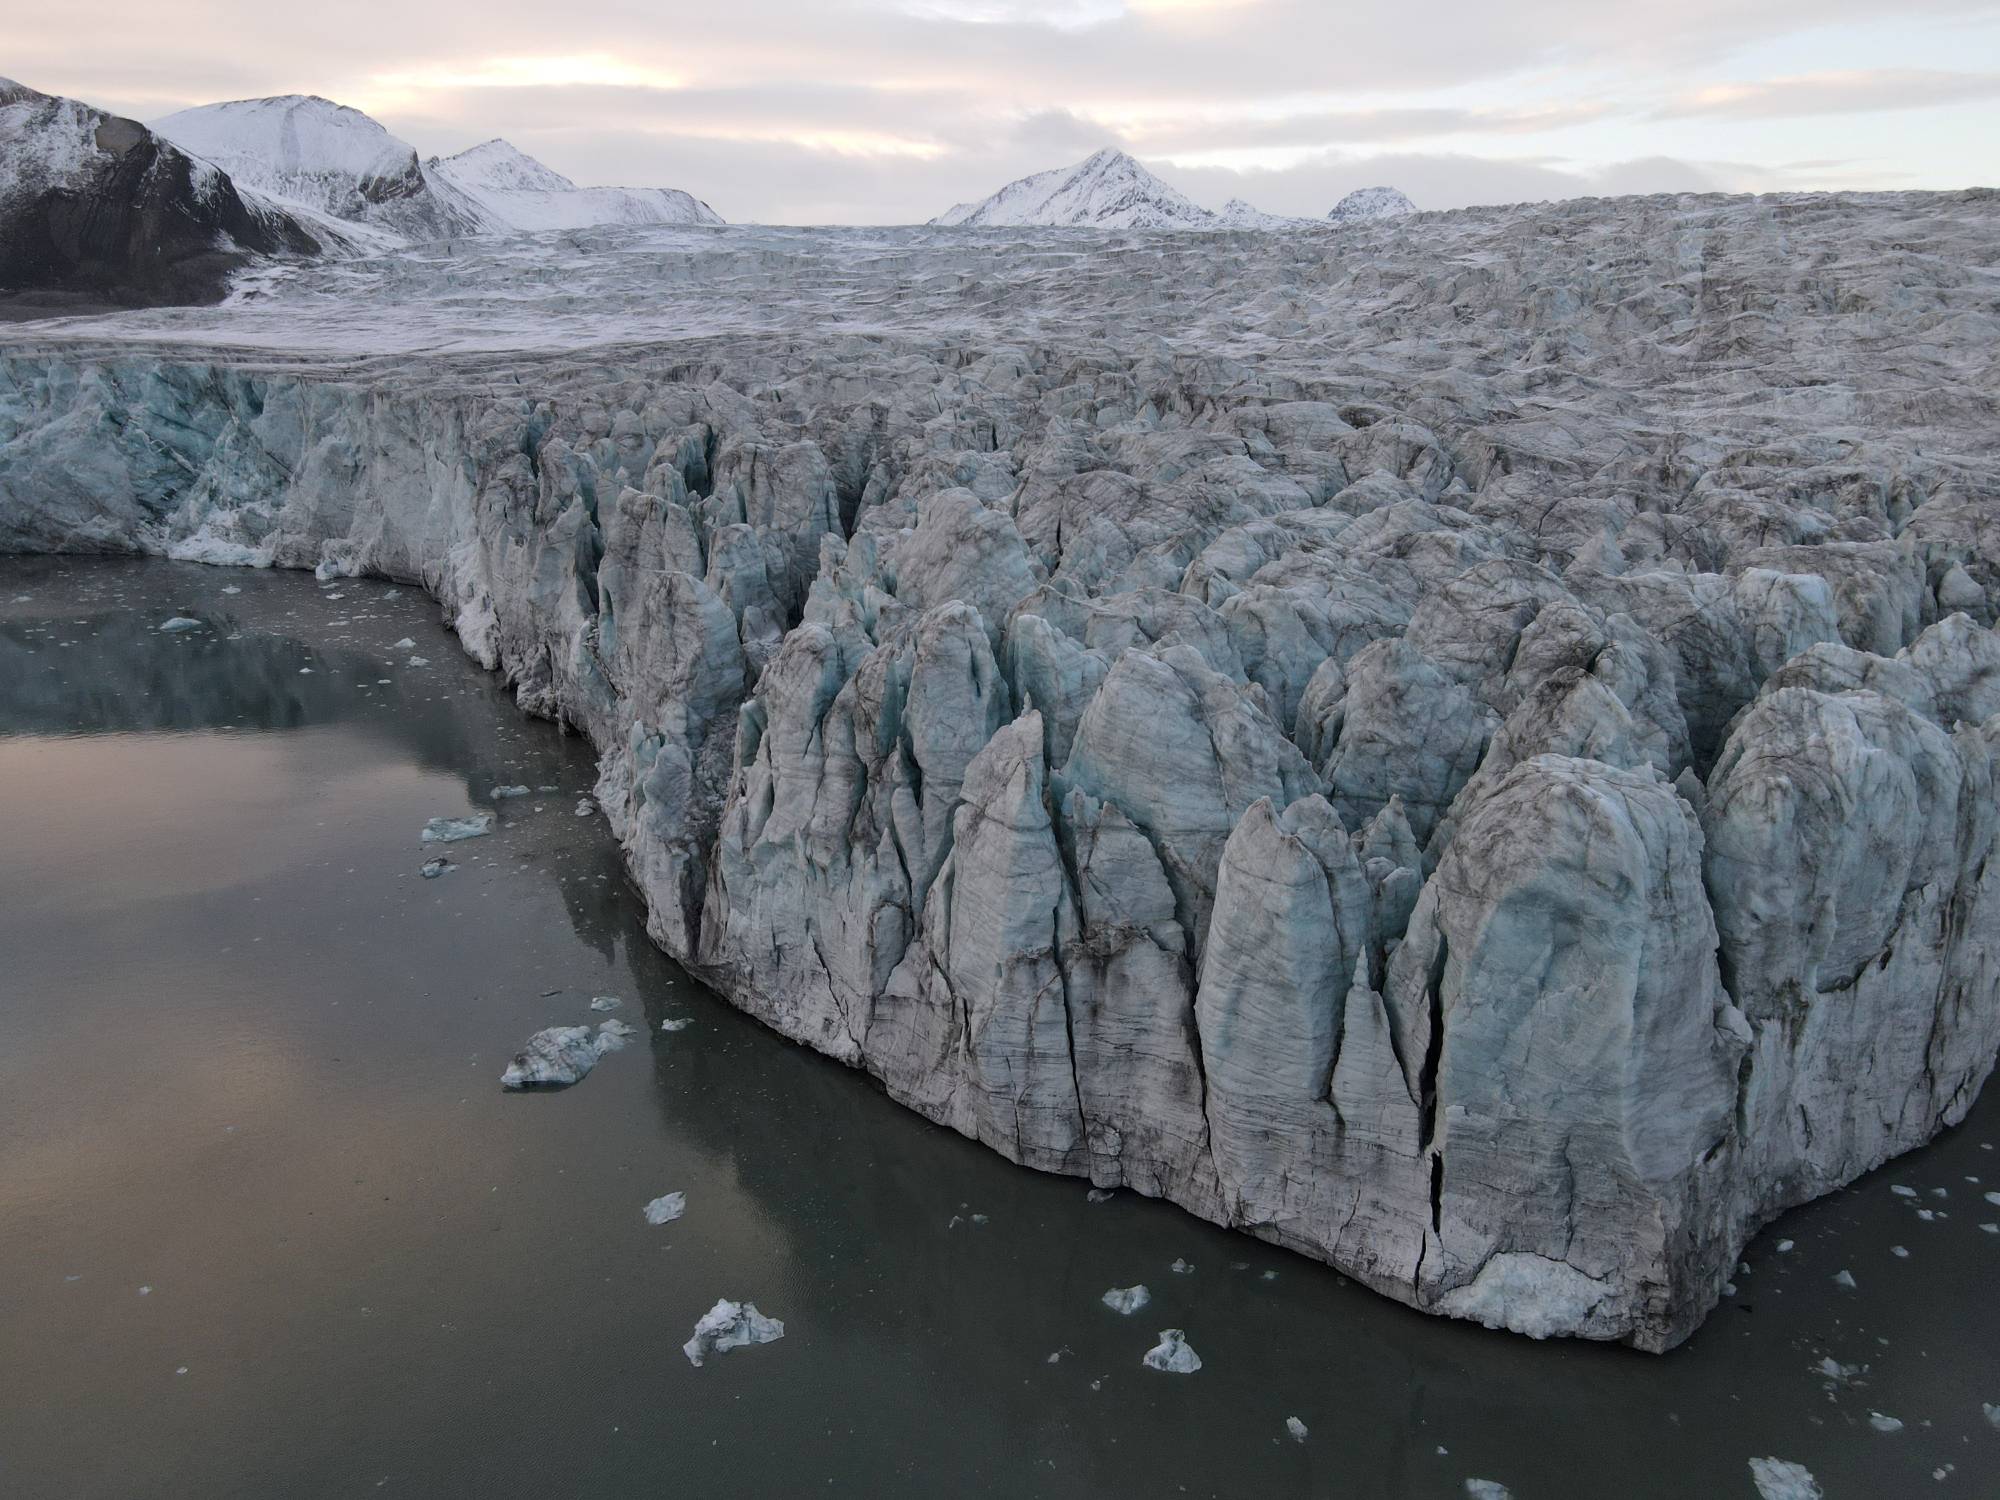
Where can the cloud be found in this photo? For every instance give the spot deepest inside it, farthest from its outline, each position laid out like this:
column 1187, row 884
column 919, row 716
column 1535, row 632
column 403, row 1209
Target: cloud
column 1835, row 93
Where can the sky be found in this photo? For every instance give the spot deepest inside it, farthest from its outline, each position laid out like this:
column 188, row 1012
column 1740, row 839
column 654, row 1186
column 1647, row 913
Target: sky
column 890, row 111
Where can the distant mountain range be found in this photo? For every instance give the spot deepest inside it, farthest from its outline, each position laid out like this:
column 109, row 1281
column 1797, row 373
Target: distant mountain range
column 1109, row 190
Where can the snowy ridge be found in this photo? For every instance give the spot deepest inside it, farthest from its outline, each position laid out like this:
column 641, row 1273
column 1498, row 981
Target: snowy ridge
column 1106, row 191
column 516, row 192
column 1236, row 214
column 1371, row 203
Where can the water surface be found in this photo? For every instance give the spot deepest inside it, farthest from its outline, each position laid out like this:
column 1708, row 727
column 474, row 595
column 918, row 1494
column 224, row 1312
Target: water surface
column 269, row 1225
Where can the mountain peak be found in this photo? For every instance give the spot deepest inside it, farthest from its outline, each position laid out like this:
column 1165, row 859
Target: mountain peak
column 1106, row 190
column 1371, row 203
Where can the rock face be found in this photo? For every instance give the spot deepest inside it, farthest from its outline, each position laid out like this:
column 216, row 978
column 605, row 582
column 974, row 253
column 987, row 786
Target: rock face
column 95, row 209
column 1470, row 757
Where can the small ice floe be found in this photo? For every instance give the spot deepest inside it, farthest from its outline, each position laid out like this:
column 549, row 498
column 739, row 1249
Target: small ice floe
column 435, row 866
column 1099, row 1195
column 730, row 1325
column 1883, row 1423
column 230, row 588
column 1780, row 1479
column 1181, row 1268
column 666, row 1208
column 145, row 1291
column 1784, row 1247
column 451, row 830
column 1899, row 1252
column 1846, row 1279
column 405, row 644
column 501, row 793
column 676, row 1023
column 605, row 1002
column 1296, row 1428
column 180, row 624
column 1172, row 1354
column 1903, row 1192
column 1992, row 1412
column 559, row 1056
column 419, row 661
column 1993, row 1198
column 1990, row 1228
column 980, row 1219
column 585, row 808
column 1127, row 1299
column 1487, row 1489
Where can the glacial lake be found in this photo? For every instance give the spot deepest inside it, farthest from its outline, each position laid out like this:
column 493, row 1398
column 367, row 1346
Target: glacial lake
column 270, row 1226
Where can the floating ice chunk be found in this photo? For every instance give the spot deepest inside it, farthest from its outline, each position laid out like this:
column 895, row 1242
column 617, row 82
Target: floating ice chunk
column 1127, row 1299
column 558, row 1056
column 1882, row 1423
column 554, row 1058
column 730, row 1325
column 1296, row 1428
column 419, row 661
column 230, row 588
column 1172, row 1354
column 500, row 793
column 1784, row 1247
column 179, row 624
column 1990, row 1228
column 1487, row 1489
column 980, row 1219
column 451, row 830
column 1992, row 1412
column 1182, row 1268
column 1780, row 1479
column 676, row 1023
column 585, row 807
column 1899, row 1252
column 1846, row 1279
column 1993, row 1198
column 605, row 1002
column 1903, row 1192
column 1099, row 1195
column 436, row 866
column 405, row 644
column 666, row 1208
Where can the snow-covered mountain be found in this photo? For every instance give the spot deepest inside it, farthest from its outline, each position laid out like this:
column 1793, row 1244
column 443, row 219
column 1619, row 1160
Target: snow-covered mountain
column 300, row 149
column 328, row 159
column 96, row 207
column 1107, row 191
column 1236, row 214
column 513, row 189
column 1371, row 203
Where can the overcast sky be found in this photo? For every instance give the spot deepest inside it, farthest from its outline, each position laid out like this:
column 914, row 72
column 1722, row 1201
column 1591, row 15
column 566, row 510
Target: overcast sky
column 888, row 111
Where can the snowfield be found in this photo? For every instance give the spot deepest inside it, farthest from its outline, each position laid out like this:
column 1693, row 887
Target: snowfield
column 1468, row 754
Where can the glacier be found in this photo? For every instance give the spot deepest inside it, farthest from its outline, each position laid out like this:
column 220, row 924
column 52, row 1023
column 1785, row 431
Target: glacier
column 1470, row 756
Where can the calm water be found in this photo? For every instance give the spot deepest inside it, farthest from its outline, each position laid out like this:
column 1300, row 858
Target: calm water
column 269, row 1225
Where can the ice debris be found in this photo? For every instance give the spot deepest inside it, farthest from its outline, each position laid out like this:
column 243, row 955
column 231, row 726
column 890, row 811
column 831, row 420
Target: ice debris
column 1296, row 1428
column 1883, row 1423
column 451, row 830
column 1099, row 1195
column 605, row 1002
column 1127, row 1299
column 561, row 1055
column 1487, row 1489
column 179, row 624
column 676, row 1023
column 730, row 1325
column 405, row 644
column 1844, row 1278
column 585, row 807
column 1172, row 1354
column 500, row 793
column 436, row 866
column 666, row 1208
column 1780, row 1479
column 1182, row 1268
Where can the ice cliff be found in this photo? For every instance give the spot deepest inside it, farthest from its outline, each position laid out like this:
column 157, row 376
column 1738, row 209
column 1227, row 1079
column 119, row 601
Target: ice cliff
column 1471, row 757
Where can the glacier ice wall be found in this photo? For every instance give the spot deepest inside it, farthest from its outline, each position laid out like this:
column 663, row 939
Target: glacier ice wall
column 1473, row 760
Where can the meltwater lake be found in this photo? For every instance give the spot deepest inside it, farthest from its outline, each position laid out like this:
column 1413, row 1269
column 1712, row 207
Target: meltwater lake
column 269, row 1225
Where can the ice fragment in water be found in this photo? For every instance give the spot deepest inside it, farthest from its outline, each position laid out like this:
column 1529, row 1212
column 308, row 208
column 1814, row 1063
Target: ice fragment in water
column 451, row 830
column 179, row 624
column 405, row 644
column 605, row 1002
column 1487, row 1489
column 585, row 807
column 1994, row 1199
column 1844, row 1278
column 1780, row 1479
column 561, row 1055
column 1902, row 1192
column 676, row 1023
column 500, row 792
column 420, row 661
column 1099, row 1195
column 1127, row 1299
column 1992, row 1412
column 436, row 866
column 666, row 1208
column 230, row 588
column 730, row 1325
column 1172, row 1354
column 1182, row 1268
column 1884, row 1424
column 1296, row 1428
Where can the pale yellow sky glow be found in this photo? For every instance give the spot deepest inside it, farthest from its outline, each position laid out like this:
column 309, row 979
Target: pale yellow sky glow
column 891, row 110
